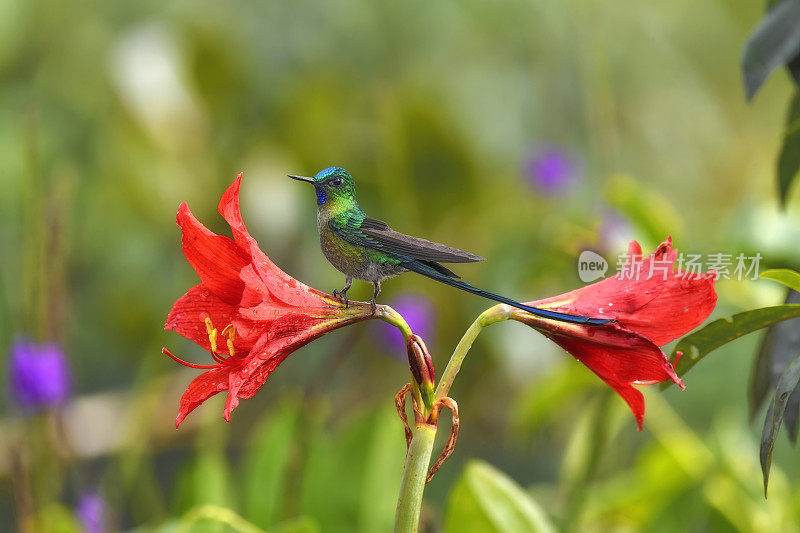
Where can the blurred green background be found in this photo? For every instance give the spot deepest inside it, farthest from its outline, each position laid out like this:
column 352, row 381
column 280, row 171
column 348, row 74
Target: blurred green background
column 115, row 112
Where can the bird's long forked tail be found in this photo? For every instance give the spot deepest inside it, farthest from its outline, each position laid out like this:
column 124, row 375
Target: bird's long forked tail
column 428, row 270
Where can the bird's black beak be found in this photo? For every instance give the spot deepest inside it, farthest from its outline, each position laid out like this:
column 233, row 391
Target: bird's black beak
column 301, row 178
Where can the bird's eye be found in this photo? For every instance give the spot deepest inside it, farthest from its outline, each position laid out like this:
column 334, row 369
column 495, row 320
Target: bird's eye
column 337, row 182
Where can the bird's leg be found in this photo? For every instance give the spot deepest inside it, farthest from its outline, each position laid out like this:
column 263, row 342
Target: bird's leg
column 348, row 282
column 376, row 292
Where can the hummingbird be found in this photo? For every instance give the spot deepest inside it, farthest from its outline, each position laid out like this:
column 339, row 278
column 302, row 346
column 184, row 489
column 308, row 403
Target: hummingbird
column 368, row 249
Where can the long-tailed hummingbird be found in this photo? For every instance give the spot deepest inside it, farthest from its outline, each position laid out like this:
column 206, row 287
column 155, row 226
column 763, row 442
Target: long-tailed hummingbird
column 368, row 249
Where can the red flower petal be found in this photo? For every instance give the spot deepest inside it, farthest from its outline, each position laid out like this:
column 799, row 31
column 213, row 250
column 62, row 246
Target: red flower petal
column 272, row 313
column 201, row 389
column 653, row 308
column 216, row 259
column 619, row 356
column 662, row 303
column 284, row 336
column 189, row 313
column 280, row 285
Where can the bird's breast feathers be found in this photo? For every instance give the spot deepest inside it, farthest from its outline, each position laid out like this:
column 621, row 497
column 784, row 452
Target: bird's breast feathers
column 355, row 260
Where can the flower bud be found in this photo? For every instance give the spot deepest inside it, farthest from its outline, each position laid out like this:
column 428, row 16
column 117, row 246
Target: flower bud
column 419, row 360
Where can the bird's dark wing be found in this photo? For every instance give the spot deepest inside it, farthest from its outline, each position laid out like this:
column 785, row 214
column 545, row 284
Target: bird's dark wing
column 399, row 243
column 379, row 236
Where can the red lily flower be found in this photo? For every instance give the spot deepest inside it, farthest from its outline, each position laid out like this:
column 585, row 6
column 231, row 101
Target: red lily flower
column 652, row 302
column 266, row 313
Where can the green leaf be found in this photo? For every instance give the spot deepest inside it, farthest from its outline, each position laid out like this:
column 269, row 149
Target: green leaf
column 779, row 347
column 486, row 500
column 265, row 465
column 195, row 518
column 224, row 518
column 303, row 524
column 363, row 462
column 383, row 456
column 205, row 482
column 794, row 69
column 593, row 430
column 551, row 396
column 775, row 42
column 790, row 278
column 697, row 345
column 772, row 423
column 789, row 158
column 55, row 518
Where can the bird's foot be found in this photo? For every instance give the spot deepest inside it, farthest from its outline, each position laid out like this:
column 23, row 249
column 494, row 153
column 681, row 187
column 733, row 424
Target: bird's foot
column 342, row 295
column 374, row 307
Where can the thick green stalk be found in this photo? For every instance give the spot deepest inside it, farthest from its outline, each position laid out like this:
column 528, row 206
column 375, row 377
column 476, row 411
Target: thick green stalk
column 492, row 315
column 415, row 471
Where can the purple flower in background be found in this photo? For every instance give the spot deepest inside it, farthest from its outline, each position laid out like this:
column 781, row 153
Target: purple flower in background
column 418, row 312
column 552, row 170
column 91, row 511
column 615, row 231
column 39, row 374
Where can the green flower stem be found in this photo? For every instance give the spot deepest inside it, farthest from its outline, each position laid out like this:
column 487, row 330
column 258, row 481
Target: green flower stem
column 387, row 314
column 498, row 313
column 415, row 471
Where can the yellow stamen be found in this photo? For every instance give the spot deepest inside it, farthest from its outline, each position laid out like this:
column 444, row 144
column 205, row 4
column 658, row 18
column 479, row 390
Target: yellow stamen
column 212, row 335
column 230, row 331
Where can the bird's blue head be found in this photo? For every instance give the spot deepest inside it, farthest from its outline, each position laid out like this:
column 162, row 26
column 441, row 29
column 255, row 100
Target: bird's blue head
column 334, row 184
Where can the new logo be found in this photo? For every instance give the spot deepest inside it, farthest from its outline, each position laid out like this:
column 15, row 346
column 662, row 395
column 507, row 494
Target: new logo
column 591, row 266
